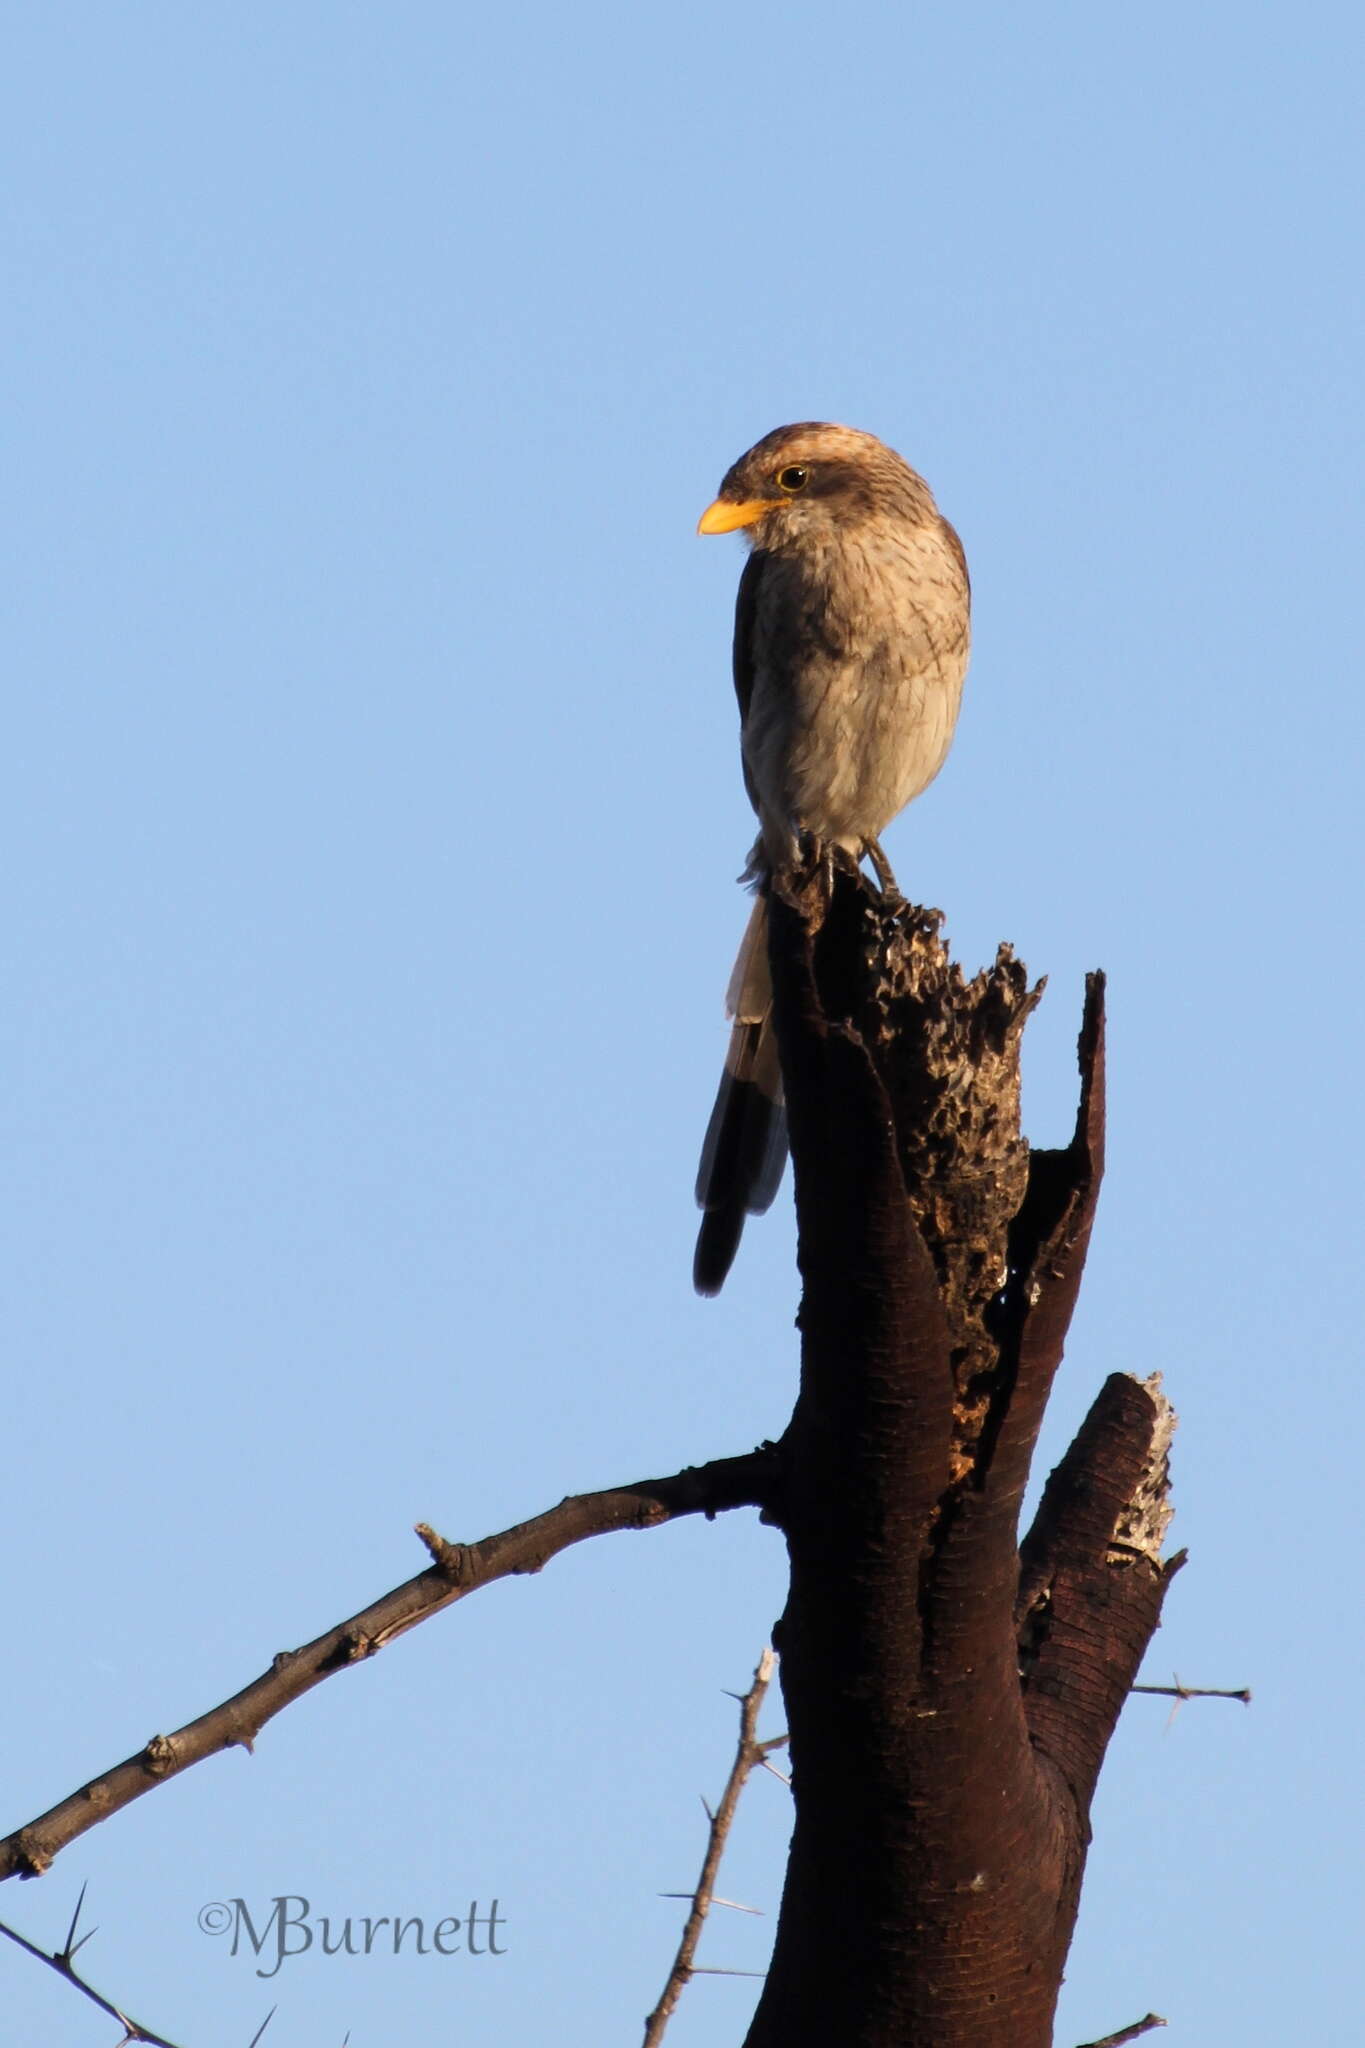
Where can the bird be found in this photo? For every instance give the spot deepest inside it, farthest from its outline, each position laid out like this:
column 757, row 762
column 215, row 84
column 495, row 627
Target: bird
column 852, row 634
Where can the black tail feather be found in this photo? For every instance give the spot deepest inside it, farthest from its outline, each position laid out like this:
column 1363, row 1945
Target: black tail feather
column 742, row 1158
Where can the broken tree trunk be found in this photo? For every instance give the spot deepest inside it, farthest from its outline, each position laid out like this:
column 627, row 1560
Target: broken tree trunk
column 949, row 1695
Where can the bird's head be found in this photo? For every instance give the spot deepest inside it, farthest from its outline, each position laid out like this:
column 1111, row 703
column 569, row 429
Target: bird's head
column 808, row 481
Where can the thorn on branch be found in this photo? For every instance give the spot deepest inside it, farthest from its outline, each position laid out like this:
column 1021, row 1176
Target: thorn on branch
column 75, row 1918
column 733, row 1904
column 1177, row 1691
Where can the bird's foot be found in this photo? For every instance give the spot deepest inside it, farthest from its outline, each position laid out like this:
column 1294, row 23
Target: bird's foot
column 806, row 881
column 886, row 879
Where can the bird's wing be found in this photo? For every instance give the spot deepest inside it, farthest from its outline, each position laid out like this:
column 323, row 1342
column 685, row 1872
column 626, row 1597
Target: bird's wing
column 954, row 540
column 746, row 607
column 746, row 611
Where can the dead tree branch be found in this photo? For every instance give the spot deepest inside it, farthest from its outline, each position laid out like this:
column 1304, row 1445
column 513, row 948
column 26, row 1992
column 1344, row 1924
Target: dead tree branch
column 949, row 1700
column 459, row 1569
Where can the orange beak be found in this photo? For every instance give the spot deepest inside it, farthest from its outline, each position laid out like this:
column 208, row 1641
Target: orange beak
column 726, row 517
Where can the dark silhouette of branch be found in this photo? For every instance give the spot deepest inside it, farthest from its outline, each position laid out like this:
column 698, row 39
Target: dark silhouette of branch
column 749, row 1753
column 63, row 1961
column 1138, row 2028
column 458, row 1569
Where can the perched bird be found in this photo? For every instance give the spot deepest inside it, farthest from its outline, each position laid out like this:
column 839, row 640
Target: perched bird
column 852, row 629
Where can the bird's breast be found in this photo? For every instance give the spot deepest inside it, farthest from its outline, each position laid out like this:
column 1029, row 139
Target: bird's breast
column 859, row 653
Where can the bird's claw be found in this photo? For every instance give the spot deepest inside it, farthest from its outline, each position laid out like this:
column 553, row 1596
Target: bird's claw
column 892, row 897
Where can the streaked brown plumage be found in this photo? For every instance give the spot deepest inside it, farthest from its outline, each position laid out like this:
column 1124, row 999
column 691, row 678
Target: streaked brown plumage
column 851, row 641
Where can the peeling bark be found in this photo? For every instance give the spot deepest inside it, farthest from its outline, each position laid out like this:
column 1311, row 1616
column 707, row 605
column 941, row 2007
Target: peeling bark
column 948, row 1712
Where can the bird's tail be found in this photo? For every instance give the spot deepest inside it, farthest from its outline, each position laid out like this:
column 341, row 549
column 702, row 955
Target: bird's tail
column 745, row 1147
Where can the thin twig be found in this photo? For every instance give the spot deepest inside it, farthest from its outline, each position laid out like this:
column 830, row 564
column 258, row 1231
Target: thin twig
column 749, row 1753
column 63, row 1961
column 1142, row 2026
column 458, row 1569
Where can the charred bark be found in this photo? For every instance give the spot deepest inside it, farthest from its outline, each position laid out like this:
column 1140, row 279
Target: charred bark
column 949, row 1698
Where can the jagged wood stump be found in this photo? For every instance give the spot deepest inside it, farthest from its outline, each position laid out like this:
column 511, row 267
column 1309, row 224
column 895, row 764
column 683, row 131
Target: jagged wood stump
column 950, row 1694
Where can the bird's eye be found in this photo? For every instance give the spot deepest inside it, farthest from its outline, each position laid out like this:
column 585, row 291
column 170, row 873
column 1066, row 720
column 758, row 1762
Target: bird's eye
column 793, row 478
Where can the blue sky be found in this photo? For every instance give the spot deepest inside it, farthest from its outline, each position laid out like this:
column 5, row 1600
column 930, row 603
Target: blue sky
column 371, row 813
